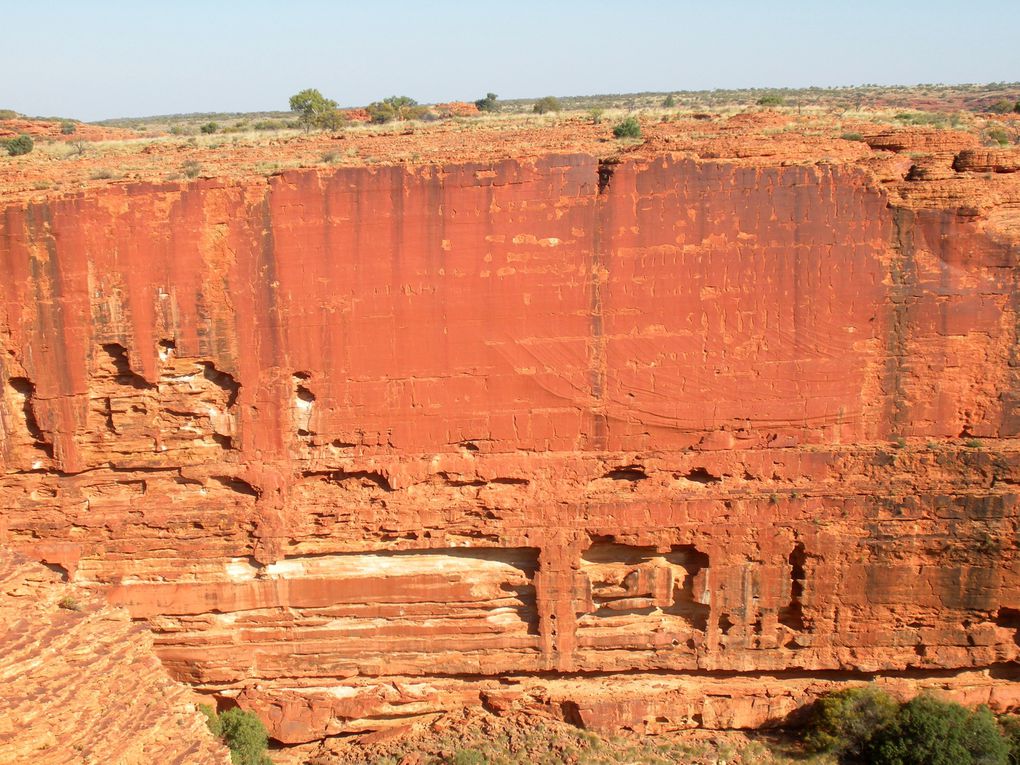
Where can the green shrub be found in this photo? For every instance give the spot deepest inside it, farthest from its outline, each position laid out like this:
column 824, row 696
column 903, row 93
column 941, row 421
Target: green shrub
column 1001, row 107
column 547, row 104
column 999, row 135
column 395, row 108
column 270, row 125
column 68, row 128
column 1010, row 726
column 487, row 104
column 595, row 115
column 468, row 757
column 69, row 603
column 310, row 106
column 23, row 144
column 852, row 137
column 668, row 102
column 242, row 732
column 628, row 128
column 191, row 168
column 211, row 719
column 331, row 120
column 844, row 721
column 1017, row 107
column 770, row 100
column 209, row 127
column 927, row 731
column 935, row 119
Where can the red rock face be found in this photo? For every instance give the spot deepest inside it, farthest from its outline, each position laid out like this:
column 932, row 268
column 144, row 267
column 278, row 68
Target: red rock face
column 359, row 443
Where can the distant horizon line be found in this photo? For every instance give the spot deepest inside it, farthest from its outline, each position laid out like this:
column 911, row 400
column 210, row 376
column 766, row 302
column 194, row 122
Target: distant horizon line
column 525, row 99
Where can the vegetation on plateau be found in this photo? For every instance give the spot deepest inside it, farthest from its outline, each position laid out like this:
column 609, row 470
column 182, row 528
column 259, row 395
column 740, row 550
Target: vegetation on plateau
column 628, row 128
column 547, row 104
column 487, row 104
column 395, row 109
column 23, row 144
column 314, row 110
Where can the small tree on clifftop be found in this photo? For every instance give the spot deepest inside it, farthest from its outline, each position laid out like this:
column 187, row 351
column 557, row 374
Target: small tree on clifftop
column 546, row 104
column 313, row 109
column 487, row 104
column 396, row 108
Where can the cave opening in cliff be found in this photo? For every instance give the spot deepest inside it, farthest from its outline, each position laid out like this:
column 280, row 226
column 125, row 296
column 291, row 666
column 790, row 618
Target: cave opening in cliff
column 792, row 615
column 118, row 364
column 606, row 169
column 23, row 391
column 625, row 581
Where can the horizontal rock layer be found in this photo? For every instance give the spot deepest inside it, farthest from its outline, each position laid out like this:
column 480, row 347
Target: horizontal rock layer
column 349, row 440
column 79, row 682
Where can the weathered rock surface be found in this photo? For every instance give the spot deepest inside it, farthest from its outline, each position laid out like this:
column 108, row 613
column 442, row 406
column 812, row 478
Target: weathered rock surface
column 358, row 443
column 79, row 682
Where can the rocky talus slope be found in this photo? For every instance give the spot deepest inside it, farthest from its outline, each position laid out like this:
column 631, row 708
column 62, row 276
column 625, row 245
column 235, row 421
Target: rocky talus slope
column 673, row 436
column 79, row 682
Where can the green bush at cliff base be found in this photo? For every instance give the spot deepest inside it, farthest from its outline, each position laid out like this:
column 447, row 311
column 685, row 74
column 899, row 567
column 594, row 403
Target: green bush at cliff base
column 928, row 731
column 242, row 732
column 1010, row 726
column 845, row 721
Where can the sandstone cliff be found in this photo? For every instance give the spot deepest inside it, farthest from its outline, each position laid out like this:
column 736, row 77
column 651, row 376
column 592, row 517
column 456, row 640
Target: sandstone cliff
column 79, row 682
column 366, row 443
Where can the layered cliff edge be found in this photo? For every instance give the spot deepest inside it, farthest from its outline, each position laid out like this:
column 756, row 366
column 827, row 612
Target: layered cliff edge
column 657, row 439
column 79, row 682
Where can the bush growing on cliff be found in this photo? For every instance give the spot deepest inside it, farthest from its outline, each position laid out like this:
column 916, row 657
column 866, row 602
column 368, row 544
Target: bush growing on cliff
column 866, row 725
column 242, row 732
column 844, row 722
column 628, row 128
column 547, row 104
column 999, row 136
column 23, row 144
column 1010, row 726
column 68, row 128
column 927, row 731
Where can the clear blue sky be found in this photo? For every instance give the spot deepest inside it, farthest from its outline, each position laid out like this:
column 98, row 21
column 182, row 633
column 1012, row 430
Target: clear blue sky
column 112, row 58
